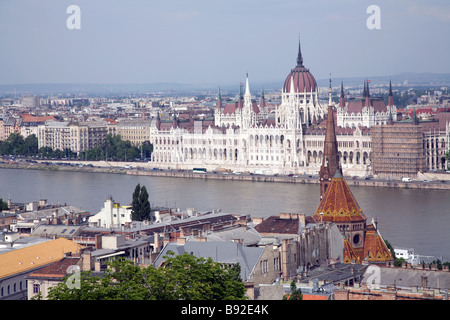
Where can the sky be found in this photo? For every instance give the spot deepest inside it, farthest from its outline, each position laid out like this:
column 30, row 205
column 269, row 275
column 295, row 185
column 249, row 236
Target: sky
column 218, row 42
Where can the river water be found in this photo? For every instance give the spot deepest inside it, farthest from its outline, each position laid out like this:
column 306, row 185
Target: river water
column 411, row 218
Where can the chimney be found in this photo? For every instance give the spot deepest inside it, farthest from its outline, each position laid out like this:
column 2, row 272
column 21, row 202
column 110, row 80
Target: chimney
column 156, row 241
column 98, row 241
column 424, row 282
column 87, row 261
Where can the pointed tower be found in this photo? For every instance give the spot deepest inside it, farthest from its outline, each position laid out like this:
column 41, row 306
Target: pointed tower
column 390, row 96
column 330, row 162
column 414, row 119
column 338, row 206
column 368, row 102
column 342, row 96
column 158, row 122
column 219, row 101
column 262, row 101
column 240, row 103
column 174, row 121
column 247, row 111
column 299, row 55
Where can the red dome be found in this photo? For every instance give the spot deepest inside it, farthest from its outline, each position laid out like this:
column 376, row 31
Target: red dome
column 303, row 79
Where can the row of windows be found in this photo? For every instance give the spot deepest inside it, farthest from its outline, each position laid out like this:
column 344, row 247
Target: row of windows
column 4, row 291
column 264, row 265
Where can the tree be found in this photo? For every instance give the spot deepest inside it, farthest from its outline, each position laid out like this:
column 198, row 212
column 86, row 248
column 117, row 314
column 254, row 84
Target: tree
column 135, row 204
column 144, row 205
column 3, row 205
column 140, row 206
column 182, row 277
column 296, row 294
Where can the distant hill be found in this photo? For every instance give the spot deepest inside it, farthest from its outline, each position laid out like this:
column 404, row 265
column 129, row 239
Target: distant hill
column 407, row 79
column 412, row 79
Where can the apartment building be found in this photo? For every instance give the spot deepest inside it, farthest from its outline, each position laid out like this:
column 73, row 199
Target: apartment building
column 136, row 131
column 76, row 136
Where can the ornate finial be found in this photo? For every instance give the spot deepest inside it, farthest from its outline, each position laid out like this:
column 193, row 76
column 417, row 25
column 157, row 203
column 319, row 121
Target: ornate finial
column 329, row 93
column 299, row 56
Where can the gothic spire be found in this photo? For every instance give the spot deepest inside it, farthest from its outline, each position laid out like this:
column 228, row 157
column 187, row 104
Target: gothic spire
column 368, row 102
column 219, row 100
column 342, row 97
column 299, row 56
column 330, row 163
column 262, row 102
column 390, row 97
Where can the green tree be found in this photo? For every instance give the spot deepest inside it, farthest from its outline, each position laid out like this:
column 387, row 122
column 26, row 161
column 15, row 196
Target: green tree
column 140, row 206
column 3, row 205
column 182, row 277
column 296, row 293
column 144, row 205
column 135, row 204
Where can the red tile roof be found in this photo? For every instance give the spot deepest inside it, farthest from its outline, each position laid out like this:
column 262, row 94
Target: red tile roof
column 58, row 269
column 338, row 204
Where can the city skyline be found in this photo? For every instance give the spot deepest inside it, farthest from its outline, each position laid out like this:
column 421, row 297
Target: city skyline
column 217, row 43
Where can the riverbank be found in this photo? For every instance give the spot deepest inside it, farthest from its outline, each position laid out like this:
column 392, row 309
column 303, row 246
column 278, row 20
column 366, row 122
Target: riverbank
column 121, row 168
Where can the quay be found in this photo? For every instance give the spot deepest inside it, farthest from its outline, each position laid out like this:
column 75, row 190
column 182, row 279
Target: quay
column 145, row 169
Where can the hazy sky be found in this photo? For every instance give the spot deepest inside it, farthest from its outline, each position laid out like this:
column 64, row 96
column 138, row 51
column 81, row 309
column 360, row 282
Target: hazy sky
column 218, row 42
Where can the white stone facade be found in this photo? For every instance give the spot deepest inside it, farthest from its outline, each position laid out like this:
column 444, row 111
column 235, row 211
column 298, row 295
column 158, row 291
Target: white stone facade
column 112, row 215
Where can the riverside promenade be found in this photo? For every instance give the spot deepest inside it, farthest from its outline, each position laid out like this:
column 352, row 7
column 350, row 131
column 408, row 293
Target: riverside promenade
column 440, row 181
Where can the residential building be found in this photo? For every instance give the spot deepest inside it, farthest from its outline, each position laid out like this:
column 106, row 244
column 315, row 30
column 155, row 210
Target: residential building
column 135, row 131
column 229, row 253
column 75, row 136
column 16, row 265
column 42, row 280
column 405, row 283
column 112, row 215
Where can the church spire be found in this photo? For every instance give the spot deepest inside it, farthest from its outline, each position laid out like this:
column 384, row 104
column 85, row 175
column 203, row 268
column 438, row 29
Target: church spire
column 219, row 100
column 368, row 102
column 299, row 56
column 330, row 163
column 342, row 96
column 390, row 97
column 262, row 103
column 330, row 91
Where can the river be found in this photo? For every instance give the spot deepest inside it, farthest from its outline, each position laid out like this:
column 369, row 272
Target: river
column 411, row 218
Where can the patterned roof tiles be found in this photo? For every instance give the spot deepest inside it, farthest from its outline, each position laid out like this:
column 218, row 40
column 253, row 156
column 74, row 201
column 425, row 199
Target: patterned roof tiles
column 338, row 204
column 375, row 249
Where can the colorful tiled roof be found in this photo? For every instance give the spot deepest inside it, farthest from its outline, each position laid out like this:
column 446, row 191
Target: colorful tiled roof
column 338, row 204
column 375, row 249
column 349, row 253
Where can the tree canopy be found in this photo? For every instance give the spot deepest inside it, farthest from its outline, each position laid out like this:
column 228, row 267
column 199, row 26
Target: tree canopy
column 183, row 277
column 113, row 148
column 296, row 293
column 140, row 206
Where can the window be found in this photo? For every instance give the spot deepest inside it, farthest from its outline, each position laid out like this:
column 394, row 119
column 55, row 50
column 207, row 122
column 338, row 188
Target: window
column 276, row 263
column 36, row 287
column 264, row 266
